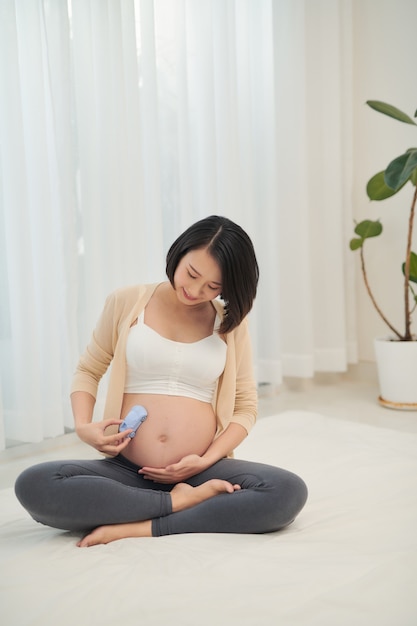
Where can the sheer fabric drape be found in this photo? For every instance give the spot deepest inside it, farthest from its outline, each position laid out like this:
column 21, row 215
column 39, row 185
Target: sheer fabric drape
column 123, row 122
column 37, row 200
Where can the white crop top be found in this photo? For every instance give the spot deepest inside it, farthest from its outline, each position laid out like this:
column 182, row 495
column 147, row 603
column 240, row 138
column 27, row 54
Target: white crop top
column 158, row 365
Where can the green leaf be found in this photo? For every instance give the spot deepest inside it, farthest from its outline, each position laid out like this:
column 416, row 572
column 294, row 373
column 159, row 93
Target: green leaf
column 413, row 267
column 367, row 229
column 391, row 111
column 400, row 169
column 355, row 244
column 377, row 189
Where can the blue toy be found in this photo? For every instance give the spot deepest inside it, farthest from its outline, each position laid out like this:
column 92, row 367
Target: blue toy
column 136, row 416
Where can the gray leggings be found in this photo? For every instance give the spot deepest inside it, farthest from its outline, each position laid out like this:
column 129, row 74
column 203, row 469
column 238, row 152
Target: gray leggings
column 81, row 495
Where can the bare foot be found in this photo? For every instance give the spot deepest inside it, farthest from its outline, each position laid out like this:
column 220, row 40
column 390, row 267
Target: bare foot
column 184, row 496
column 113, row 532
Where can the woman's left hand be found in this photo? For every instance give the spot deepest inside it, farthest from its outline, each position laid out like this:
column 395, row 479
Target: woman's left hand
column 177, row 472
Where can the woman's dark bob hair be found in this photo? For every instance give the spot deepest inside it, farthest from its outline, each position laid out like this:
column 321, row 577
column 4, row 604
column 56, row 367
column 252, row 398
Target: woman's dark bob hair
column 233, row 250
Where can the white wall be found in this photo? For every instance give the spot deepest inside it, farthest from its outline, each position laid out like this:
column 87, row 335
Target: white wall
column 384, row 68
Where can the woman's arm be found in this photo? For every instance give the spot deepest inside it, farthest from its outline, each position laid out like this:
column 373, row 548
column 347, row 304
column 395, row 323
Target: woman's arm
column 91, row 367
column 230, row 438
column 82, row 404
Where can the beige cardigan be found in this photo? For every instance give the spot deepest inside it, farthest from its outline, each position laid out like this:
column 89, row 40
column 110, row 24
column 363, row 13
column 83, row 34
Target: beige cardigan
column 235, row 399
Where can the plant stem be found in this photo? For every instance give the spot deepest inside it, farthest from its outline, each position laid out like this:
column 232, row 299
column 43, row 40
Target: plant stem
column 371, row 295
column 407, row 336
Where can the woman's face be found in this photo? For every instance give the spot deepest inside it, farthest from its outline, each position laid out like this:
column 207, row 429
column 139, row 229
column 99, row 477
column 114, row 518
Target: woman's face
column 197, row 278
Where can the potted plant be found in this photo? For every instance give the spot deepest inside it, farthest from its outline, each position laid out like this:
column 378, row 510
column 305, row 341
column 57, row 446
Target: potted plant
column 397, row 380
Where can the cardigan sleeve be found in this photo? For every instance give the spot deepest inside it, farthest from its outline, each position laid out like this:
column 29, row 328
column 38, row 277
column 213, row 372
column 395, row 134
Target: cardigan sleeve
column 246, row 397
column 236, row 398
column 99, row 353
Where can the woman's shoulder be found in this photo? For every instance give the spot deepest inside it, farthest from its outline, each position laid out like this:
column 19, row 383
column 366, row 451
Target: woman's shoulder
column 219, row 307
column 123, row 300
column 240, row 332
column 133, row 293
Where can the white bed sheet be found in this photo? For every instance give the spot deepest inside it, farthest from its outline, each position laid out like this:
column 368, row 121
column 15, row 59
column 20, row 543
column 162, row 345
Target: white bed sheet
column 349, row 559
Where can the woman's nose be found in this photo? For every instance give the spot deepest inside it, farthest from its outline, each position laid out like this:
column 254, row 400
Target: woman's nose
column 196, row 289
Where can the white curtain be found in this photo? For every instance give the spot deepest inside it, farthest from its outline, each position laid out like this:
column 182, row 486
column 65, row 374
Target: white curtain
column 123, row 122
column 37, row 234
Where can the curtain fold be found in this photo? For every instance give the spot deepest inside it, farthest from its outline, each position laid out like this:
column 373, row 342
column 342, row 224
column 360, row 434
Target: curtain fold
column 36, row 204
column 313, row 139
column 124, row 121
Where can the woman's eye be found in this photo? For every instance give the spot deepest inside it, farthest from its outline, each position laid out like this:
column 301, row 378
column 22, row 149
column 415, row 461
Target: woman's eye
column 191, row 276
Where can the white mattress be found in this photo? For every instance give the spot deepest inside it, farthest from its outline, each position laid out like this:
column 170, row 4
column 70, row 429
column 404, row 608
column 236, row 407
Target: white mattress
column 349, row 559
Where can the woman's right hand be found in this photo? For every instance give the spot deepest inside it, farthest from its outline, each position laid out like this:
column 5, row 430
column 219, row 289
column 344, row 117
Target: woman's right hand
column 93, row 433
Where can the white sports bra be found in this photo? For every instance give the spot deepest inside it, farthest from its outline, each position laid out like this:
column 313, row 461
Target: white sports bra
column 158, row 365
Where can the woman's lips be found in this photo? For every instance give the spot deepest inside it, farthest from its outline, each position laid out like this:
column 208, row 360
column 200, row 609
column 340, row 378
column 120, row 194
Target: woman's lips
column 187, row 296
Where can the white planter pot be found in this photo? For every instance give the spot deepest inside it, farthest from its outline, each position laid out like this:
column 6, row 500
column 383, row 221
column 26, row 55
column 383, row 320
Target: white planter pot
column 397, row 373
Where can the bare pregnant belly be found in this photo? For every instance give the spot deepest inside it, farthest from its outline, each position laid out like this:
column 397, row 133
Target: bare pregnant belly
column 175, row 427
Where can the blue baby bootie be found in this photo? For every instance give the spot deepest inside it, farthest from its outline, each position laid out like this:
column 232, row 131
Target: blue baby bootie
column 136, row 416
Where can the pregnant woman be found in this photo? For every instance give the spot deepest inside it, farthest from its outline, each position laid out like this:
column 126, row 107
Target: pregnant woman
column 184, row 355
